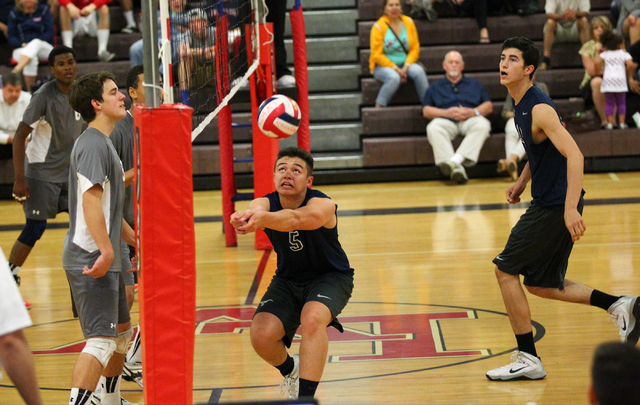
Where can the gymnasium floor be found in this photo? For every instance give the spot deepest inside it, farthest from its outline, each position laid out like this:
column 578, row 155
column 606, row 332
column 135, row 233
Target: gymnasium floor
column 426, row 319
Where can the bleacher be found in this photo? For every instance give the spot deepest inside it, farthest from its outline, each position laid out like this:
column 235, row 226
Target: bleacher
column 395, row 136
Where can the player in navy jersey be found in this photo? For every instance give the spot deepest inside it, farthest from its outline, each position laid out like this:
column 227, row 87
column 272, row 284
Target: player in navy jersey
column 540, row 243
column 313, row 281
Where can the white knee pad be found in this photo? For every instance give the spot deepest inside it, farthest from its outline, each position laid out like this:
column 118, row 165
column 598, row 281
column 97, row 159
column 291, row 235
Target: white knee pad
column 122, row 342
column 100, row 348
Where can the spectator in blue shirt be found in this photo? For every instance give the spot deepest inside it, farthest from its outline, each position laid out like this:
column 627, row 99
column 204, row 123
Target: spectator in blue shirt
column 31, row 34
column 456, row 105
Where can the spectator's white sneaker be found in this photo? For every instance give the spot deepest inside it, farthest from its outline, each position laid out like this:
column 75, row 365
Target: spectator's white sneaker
column 286, row 81
column 446, row 168
column 625, row 313
column 459, row 175
column 106, row 56
column 291, row 383
column 524, row 367
column 130, row 30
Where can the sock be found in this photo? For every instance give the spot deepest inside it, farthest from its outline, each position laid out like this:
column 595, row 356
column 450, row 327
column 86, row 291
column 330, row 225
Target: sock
column 14, row 269
column 67, row 38
column 111, row 391
column 287, row 367
column 457, row 158
column 308, row 388
column 128, row 15
column 602, row 300
column 103, row 40
column 526, row 344
column 135, row 354
column 80, row 397
column 185, row 96
column 547, row 60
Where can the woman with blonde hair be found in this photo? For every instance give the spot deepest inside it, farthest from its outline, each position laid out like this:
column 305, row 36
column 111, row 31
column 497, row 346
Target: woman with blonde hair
column 395, row 49
column 31, row 34
column 590, row 86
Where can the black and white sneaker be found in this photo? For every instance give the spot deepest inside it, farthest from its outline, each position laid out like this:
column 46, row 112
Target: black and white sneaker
column 132, row 372
column 524, row 367
column 291, row 383
column 130, row 30
column 624, row 314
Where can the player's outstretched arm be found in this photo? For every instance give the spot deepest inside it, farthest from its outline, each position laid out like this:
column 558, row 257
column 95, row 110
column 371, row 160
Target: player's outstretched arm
column 317, row 213
column 240, row 219
column 94, row 216
column 545, row 118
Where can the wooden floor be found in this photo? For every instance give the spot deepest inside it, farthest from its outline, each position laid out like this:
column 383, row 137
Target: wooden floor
column 426, row 319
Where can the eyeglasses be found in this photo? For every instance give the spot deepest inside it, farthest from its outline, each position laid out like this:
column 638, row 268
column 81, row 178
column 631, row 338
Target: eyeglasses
column 455, row 88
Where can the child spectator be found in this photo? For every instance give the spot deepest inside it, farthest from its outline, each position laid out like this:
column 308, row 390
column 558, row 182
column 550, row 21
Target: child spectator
column 618, row 68
column 31, row 34
column 82, row 12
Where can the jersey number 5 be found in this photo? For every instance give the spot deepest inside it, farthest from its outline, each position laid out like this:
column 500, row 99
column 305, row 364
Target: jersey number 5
column 294, row 243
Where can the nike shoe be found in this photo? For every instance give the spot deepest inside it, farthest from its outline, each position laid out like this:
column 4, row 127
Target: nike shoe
column 624, row 314
column 95, row 400
column 291, row 383
column 132, row 372
column 524, row 367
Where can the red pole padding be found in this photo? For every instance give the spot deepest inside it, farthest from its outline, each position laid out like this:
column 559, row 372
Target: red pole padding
column 227, row 177
column 300, row 71
column 167, row 252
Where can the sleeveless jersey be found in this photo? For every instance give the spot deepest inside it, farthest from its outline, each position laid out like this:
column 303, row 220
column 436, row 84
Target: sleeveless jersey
column 306, row 255
column 548, row 166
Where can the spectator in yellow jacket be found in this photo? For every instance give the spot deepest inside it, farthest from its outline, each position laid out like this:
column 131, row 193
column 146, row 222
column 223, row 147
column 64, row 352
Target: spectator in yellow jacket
column 395, row 49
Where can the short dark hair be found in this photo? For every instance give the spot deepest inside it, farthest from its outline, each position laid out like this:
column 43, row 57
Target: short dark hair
column 88, row 87
column 133, row 77
column 12, row 79
column 59, row 50
column 615, row 374
column 299, row 153
column 530, row 52
column 611, row 40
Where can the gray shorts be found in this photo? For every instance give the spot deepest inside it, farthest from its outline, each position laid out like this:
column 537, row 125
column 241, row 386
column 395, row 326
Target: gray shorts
column 101, row 302
column 126, row 264
column 46, row 199
column 285, row 299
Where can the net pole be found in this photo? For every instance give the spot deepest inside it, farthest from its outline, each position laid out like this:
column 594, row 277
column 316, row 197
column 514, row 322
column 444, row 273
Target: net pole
column 165, row 50
column 300, row 72
column 150, row 59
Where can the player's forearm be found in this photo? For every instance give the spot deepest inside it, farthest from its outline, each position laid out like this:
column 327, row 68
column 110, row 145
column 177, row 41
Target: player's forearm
column 94, row 217
column 575, row 170
column 128, row 234
column 128, row 177
column 19, row 149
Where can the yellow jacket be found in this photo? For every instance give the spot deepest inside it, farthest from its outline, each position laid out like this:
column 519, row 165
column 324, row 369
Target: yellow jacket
column 379, row 30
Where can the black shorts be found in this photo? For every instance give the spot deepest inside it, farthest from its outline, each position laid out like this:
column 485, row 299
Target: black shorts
column 538, row 248
column 285, row 298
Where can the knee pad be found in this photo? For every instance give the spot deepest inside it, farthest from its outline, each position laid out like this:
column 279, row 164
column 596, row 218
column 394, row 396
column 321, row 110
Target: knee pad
column 32, row 231
column 100, row 348
column 122, row 342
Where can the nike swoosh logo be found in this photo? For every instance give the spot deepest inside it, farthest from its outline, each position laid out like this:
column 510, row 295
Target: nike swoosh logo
column 515, row 371
column 524, row 113
column 323, row 296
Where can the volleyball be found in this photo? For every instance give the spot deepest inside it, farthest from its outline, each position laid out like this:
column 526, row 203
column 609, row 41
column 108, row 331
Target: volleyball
column 279, row 116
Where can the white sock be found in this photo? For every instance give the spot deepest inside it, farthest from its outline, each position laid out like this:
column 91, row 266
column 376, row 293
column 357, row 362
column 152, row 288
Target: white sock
column 128, row 15
column 101, row 383
column 80, row 397
column 135, row 351
column 103, row 40
column 111, row 392
column 457, row 158
column 14, row 269
column 67, row 38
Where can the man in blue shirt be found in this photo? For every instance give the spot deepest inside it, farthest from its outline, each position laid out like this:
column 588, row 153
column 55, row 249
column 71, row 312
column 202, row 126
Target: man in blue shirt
column 456, row 105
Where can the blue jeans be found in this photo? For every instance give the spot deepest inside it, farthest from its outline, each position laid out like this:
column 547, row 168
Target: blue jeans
column 391, row 82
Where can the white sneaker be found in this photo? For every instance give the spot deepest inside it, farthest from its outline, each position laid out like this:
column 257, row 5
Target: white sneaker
column 286, row 81
column 291, row 383
column 132, row 372
column 524, row 367
column 447, row 167
column 624, row 314
column 95, row 400
column 106, row 56
column 459, row 175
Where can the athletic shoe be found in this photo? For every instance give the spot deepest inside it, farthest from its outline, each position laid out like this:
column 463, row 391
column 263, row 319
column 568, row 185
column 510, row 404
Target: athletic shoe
column 524, row 367
column 132, row 372
column 291, row 382
column 130, row 30
column 95, row 400
column 106, row 56
column 624, row 314
column 27, row 304
column 446, row 168
column 459, row 175
column 286, row 81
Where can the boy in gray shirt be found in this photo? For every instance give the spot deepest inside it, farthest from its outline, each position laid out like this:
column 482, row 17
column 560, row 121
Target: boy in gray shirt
column 42, row 167
column 91, row 256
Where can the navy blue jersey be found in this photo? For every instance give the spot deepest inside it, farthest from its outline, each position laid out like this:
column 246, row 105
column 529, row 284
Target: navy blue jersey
column 305, row 255
column 548, row 166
